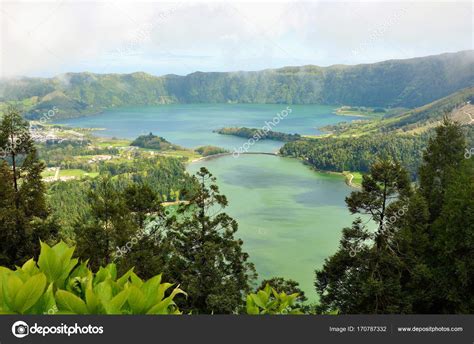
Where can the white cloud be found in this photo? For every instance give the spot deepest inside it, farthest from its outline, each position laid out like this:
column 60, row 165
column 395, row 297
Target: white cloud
column 48, row 38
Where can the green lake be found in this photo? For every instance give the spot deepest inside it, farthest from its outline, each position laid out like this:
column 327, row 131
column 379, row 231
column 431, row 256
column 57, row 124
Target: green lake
column 290, row 217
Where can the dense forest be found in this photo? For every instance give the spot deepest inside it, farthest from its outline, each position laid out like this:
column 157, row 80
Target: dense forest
column 258, row 134
column 417, row 259
column 395, row 83
column 403, row 137
column 359, row 153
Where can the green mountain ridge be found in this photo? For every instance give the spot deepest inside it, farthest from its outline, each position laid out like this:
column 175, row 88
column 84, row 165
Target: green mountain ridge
column 394, row 83
column 403, row 137
column 456, row 106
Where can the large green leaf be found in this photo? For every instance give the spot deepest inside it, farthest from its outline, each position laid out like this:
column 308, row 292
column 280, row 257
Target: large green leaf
column 30, row 267
column 114, row 306
column 46, row 304
column 29, row 293
column 102, row 275
column 136, row 300
column 92, row 301
column 4, row 270
column 63, row 252
column 257, row 301
column 66, row 271
column 11, row 284
column 150, row 289
column 104, row 291
column 124, row 279
column 252, row 309
column 163, row 306
column 112, row 269
column 70, row 303
column 136, row 281
column 49, row 263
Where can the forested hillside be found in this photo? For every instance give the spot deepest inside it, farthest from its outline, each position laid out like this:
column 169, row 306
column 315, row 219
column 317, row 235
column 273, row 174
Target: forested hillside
column 394, row 83
column 357, row 154
column 258, row 134
column 356, row 146
column 457, row 106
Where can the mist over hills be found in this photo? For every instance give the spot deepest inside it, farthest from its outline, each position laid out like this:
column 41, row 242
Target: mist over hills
column 394, row 83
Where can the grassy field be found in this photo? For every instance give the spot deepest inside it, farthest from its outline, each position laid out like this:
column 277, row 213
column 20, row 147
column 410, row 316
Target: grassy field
column 188, row 154
column 72, row 173
column 356, row 178
column 104, row 142
column 48, row 173
column 77, row 173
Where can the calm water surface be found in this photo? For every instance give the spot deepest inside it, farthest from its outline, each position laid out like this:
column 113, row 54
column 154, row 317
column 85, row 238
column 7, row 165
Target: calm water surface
column 290, row 217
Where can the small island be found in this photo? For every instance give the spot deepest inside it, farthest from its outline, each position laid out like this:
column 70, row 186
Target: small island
column 259, row 134
column 154, row 142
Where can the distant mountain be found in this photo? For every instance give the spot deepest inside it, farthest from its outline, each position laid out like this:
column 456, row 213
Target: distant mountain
column 458, row 106
column 395, row 83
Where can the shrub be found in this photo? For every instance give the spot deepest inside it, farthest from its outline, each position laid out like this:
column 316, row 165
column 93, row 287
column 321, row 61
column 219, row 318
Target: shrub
column 59, row 284
column 269, row 301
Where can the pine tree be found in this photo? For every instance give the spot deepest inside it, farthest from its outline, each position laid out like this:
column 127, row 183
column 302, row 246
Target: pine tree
column 415, row 250
column 149, row 252
column 15, row 143
column 384, row 191
column 435, row 239
column 454, row 245
column 108, row 227
column 26, row 215
column 9, row 237
column 142, row 201
column 441, row 160
column 363, row 276
column 205, row 257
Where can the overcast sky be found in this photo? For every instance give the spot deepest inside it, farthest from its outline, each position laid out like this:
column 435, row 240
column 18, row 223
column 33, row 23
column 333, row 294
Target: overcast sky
column 50, row 38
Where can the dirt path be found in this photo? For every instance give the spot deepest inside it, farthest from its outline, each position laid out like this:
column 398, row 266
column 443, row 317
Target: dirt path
column 349, row 178
column 166, row 204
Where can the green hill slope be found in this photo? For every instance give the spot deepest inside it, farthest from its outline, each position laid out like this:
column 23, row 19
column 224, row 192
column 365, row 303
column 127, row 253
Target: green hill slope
column 396, row 83
column 402, row 137
column 457, row 106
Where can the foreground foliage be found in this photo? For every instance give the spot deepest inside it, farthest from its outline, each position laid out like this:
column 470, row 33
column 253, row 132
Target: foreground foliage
column 58, row 283
column 269, row 301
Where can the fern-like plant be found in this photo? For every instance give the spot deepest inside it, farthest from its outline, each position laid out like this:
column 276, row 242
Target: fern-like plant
column 59, row 284
column 269, row 301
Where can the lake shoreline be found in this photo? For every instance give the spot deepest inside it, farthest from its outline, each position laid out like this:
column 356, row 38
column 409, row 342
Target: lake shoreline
column 347, row 179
